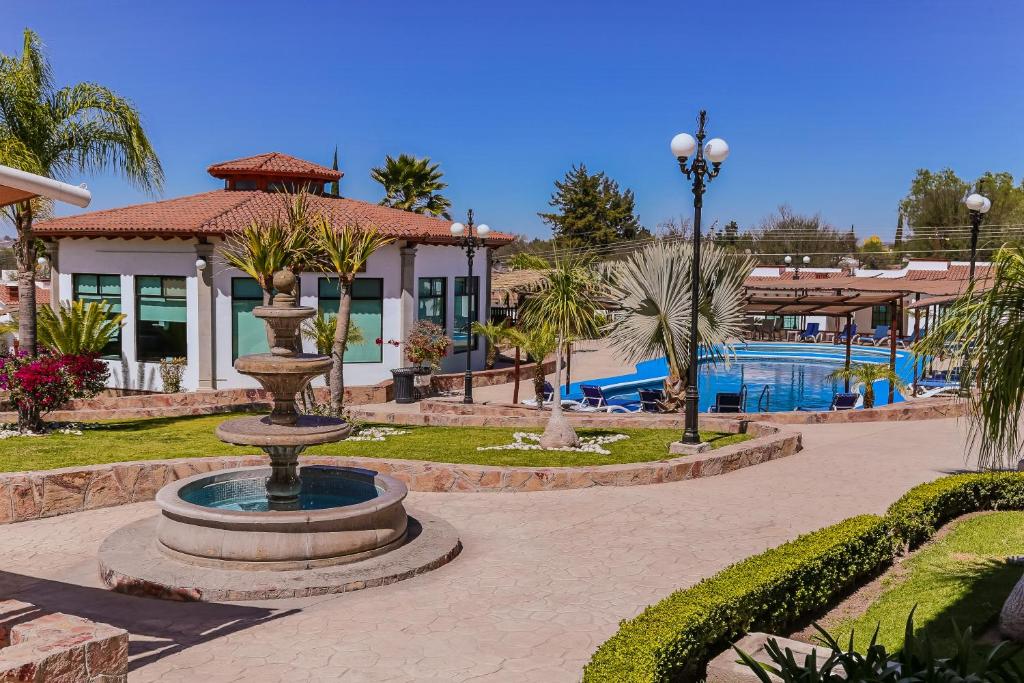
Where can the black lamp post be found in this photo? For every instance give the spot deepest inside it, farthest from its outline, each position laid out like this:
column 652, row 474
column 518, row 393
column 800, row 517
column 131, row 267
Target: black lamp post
column 796, row 271
column 716, row 150
column 978, row 206
column 470, row 242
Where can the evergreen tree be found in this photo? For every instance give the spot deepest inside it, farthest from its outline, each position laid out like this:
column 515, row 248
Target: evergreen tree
column 335, row 185
column 897, row 243
column 592, row 210
column 731, row 233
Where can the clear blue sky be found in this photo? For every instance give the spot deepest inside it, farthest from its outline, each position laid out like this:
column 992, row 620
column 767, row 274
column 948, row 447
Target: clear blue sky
column 828, row 106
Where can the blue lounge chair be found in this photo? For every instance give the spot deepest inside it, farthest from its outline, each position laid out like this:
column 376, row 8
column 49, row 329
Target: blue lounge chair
column 941, row 379
column 650, row 400
column 880, row 335
column 549, row 392
column 812, row 332
column 849, row 332
column 731, row 401
column 844, row 401
column 595, row 400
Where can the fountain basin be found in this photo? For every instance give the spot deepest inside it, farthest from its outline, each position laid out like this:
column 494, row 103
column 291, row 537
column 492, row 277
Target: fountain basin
column 346, row 514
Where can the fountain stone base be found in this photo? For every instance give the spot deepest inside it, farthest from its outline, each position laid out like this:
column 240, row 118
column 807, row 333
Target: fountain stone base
column 227, row 519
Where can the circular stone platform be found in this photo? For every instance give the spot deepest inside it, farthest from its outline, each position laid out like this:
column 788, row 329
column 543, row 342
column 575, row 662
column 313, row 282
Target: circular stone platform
column 131, row 563
column 258, row 430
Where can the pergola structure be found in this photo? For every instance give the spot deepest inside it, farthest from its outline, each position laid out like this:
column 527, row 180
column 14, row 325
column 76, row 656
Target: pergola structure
column 841, row 297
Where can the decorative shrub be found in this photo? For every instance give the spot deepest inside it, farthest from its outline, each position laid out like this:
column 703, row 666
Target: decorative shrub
column 427, row 344
column 674, row 638
column 171, row 372
column 39, row 385
column 925, row 508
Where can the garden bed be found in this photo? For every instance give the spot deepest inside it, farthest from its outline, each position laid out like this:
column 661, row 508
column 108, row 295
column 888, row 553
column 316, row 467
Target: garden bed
column 960, row 577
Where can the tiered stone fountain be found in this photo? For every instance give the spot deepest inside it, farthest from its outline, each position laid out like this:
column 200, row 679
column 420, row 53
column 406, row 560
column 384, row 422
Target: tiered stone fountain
column 258, row 532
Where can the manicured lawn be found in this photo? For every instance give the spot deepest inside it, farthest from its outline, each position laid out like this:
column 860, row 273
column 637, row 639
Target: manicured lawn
column 961, row 577
column 183, row 437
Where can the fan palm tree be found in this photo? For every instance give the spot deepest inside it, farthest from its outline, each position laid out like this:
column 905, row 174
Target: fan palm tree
column 495, row 334
column 343, row 252
column 78, row 327
column 982, row 332
column 538, row 342
column 82, row 128
column 866, row 374
column 566, row 299
column 652, row 287
column 412, row 184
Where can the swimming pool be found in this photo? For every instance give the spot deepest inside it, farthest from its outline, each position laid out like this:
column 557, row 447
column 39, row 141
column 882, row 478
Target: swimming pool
column 794, row 374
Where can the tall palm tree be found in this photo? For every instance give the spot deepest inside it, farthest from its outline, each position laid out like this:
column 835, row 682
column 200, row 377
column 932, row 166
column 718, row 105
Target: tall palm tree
column 566, row 299
column 867, row 374
column 981, row 332
column 78, row 327
column 264, row 247
column 82, row 128
column 344, row 252
column 412, row 184
column 652, row 286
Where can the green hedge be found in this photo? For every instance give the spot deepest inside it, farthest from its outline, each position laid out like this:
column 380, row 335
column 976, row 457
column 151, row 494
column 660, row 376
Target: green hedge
column 672, row 639
column 925, row 508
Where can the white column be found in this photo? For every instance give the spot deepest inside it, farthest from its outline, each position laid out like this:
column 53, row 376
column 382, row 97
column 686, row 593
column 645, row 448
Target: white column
column 408, row 298
column 207, row 316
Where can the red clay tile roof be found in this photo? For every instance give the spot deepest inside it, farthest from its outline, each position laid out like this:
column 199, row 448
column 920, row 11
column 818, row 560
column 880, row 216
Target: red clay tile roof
column 223, row 211
column 273, row 164
column 954, row 272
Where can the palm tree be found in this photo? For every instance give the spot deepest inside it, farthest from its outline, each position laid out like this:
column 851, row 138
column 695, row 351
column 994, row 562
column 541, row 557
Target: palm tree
column 652, row 287
column 78, row 327
column 495, row 334
column 538, row 342
column 344, row 252
column 320, row 330
column 82, row 128
column 982, row 332
column 866, row 374
column 412, row 184
column 566, row 299
column 262, row 248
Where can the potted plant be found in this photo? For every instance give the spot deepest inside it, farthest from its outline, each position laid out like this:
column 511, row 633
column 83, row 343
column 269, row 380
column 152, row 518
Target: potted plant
column 425, row 346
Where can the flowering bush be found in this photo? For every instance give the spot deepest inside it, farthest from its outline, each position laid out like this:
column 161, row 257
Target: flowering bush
column 427, row 344
column 39, row 385
column 528, row 441
column 172, row 371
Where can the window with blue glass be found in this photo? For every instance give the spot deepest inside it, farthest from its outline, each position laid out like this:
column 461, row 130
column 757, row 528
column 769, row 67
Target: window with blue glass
column 161, row 327
column 87, row 287
column 248, row 333
column 367, row 314
column 466, row 308
column 430, row 300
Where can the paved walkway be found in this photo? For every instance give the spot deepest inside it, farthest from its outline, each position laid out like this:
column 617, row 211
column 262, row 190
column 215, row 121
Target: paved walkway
column 544, row 578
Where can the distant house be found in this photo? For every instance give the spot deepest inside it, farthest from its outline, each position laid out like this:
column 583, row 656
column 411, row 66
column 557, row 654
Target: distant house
column 158, row 264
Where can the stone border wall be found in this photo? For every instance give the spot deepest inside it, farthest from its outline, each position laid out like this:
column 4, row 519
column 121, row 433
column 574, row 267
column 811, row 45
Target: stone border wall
column 452, row 412
column 48, row 493
column 38, row 646
column 120, row 406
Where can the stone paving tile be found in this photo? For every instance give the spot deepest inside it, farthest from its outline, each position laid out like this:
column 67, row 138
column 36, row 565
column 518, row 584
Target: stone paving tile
column 543, row 580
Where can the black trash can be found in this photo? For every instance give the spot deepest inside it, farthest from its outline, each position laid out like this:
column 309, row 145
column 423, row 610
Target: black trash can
column 404, row 389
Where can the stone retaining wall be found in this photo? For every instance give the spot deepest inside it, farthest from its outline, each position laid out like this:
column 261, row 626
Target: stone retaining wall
column 48, row 493
column 59, row 648
column 452, row 412
column 134, row 405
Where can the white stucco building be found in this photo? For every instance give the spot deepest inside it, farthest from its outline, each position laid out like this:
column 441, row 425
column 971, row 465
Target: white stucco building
column 158, row 264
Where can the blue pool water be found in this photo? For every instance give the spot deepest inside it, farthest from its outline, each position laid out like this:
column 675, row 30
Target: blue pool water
column 795, row 376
